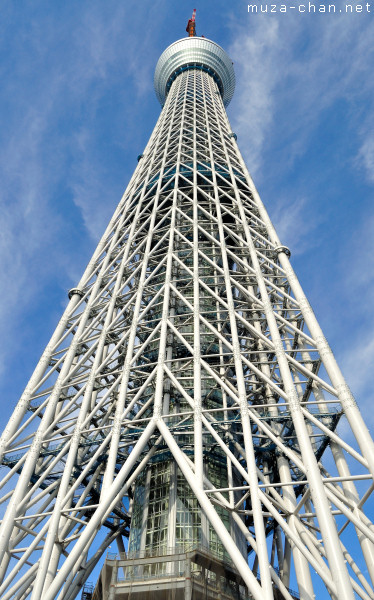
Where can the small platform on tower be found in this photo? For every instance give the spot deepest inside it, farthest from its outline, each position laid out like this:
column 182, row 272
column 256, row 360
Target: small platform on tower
column 196, row 574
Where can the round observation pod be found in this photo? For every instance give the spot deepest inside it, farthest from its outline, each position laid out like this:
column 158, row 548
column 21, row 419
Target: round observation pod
column 192, row 53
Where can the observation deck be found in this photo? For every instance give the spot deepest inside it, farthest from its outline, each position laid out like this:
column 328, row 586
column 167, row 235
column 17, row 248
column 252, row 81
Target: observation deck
column 194, row 53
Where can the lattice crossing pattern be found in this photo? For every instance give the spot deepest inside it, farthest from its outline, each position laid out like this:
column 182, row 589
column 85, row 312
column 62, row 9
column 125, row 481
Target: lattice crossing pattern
column 188, row 347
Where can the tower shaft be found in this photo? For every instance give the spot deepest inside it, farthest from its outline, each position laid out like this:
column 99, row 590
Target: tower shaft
column 188, row 399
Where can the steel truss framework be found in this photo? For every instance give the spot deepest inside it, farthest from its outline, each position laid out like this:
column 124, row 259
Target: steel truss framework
column 189, row 295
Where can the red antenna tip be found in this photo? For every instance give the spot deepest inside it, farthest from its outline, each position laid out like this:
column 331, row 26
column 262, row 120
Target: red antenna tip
column 191, row 27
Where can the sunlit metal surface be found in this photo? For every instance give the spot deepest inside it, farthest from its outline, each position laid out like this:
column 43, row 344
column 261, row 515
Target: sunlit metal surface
column 186, row 53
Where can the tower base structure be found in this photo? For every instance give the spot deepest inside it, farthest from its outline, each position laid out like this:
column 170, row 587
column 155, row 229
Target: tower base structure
column 195, row 574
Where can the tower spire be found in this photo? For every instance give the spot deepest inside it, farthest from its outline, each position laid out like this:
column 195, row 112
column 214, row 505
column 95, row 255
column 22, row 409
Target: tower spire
column 191, row 25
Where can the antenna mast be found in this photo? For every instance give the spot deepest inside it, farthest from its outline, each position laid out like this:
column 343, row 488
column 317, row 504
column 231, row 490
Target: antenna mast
column 191, row 25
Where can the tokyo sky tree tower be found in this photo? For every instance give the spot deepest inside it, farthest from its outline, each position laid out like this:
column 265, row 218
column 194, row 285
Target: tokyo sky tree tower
column 188, row 400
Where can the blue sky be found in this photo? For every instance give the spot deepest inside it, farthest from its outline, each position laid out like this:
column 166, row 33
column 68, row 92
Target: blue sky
column 78, row 106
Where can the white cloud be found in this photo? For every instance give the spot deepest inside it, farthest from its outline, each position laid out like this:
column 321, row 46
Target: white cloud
column 365, row 156
column 290, row 71
column 57, row 74
column 295, row 221
column 357, row 366
column 105, row 44
column 290, row 74
column 254, row 54
column 27, row 223
column 352, row 324
column 359, row 263
column 89, row 186
column 110, row 51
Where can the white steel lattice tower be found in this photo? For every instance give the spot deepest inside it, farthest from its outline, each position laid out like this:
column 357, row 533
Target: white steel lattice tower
column 188, row 399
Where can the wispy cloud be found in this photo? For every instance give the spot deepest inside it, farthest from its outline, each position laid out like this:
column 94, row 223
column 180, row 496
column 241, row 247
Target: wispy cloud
column 293, row 76
column 356, row 362
column 254, row 54
column 103, row 48
column 359, row 251
column 59, row 71
column 365, row 156
column 290, row 72
column 28, row 224
column 295, row 222
column 352, row 323
column 90, row 186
